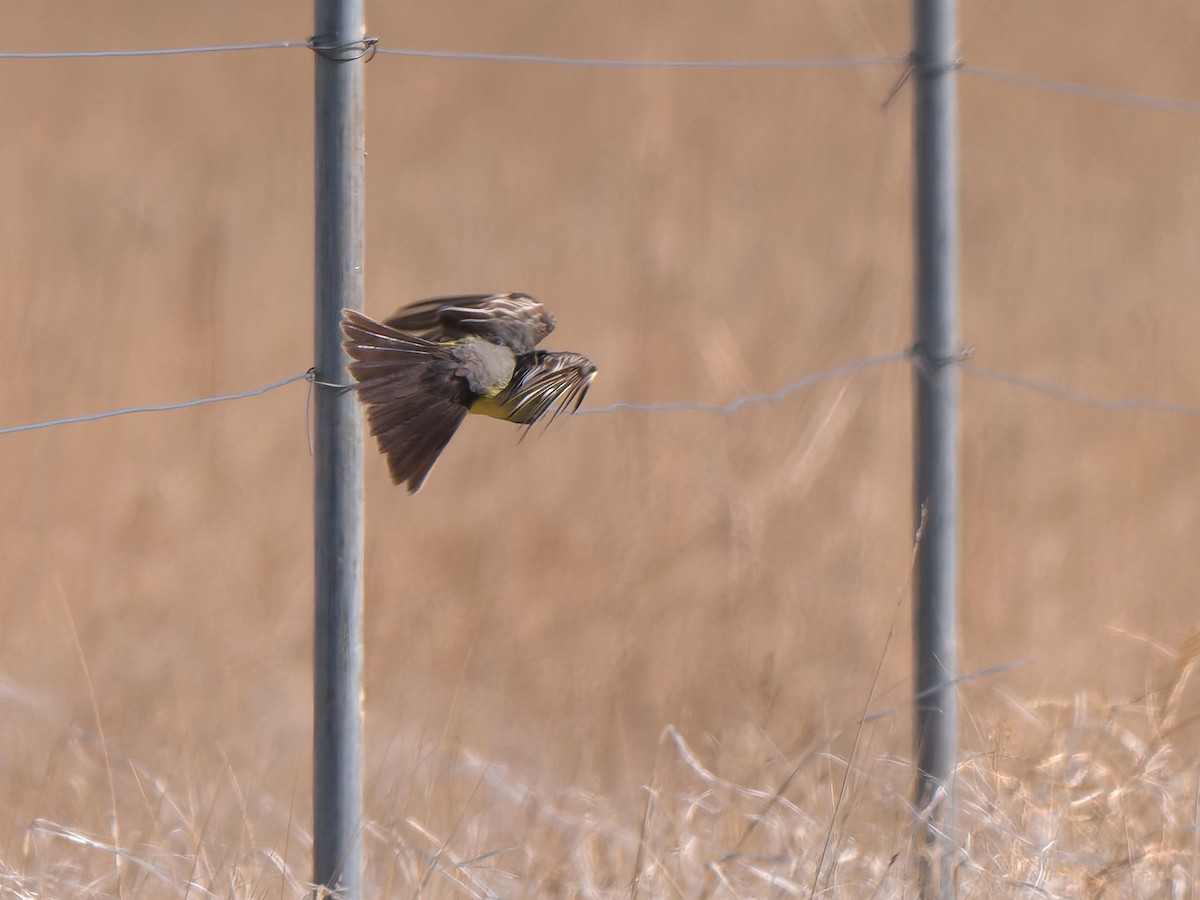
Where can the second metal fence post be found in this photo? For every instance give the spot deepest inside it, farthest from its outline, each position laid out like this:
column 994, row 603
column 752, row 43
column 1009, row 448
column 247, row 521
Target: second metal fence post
column 936, row 431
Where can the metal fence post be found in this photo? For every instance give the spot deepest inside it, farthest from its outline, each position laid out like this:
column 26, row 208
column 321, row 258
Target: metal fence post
column 937, row 437
column 337, row 432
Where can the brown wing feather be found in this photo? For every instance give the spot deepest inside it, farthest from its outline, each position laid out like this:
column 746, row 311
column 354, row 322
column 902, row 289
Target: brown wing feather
column 514, row 320
column 422, row 316
column 546, row 382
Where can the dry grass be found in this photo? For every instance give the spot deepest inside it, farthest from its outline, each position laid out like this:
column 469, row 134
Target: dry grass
column 1091, row 801
column 598, row 655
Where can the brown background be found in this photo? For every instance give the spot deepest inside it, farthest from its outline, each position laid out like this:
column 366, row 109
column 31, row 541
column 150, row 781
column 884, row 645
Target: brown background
column 550, row 606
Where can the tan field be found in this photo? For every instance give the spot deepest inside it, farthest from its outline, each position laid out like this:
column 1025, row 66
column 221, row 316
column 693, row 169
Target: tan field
column 629, row 655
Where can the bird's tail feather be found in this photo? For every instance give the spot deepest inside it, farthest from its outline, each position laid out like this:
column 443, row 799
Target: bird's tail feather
column 414, row 404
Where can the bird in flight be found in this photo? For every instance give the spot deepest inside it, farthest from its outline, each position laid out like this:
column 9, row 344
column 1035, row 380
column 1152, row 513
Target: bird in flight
column 420, row 371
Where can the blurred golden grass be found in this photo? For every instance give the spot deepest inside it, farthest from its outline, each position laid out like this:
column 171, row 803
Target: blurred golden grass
column 1090, row 801
column 548, row 632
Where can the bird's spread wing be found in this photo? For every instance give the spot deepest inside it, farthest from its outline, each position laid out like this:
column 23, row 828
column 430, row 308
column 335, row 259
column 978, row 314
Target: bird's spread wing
column 514, row 320
column 414, row 394
column 544, row 382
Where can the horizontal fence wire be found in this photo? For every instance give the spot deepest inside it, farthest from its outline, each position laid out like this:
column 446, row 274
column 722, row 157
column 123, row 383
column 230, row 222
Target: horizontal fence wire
column 1087, row 91
column 847, row 63
column 471, row 56
column 166, row 51
column 1134, row 99
column 725, row 410
column 1080, row 398
column 164, row 407
column 728, row 409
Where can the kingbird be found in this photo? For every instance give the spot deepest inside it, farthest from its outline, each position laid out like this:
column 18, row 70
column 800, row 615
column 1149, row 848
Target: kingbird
column 421, row 370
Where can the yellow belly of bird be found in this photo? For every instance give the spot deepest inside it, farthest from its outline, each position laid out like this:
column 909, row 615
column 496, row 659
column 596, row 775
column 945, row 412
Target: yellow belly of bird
column 489, row 406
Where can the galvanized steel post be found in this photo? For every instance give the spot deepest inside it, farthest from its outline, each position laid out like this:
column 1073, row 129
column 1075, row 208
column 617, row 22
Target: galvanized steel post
column 937, row 437
column 340, row 53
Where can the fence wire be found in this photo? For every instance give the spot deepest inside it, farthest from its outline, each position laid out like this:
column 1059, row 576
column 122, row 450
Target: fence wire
column 583, row 62
column 163, row 407
column 1050, row 389
column 1183, row 106
column 1087, row 91
column 472, row 56
column 728, row 409
column 1081, row 398
column 165, row 51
